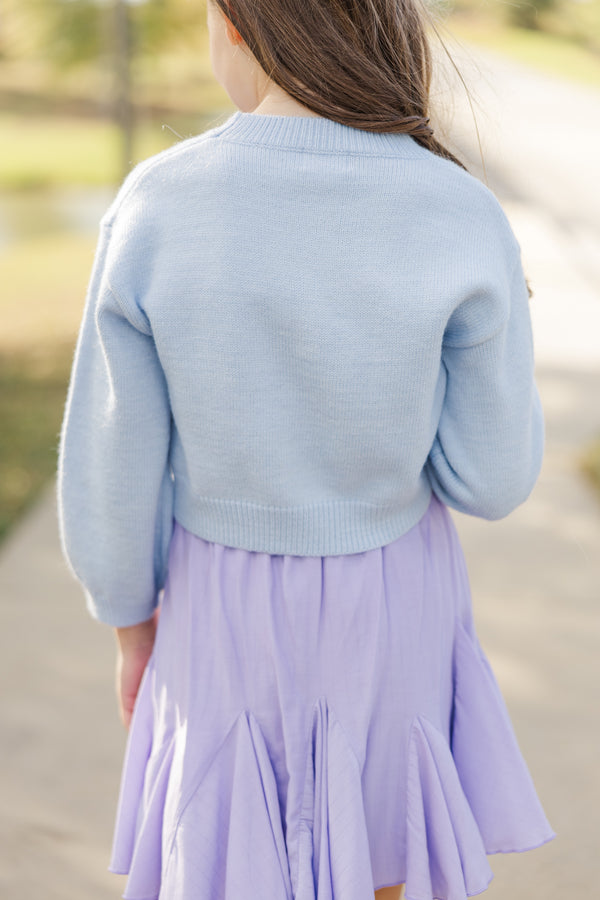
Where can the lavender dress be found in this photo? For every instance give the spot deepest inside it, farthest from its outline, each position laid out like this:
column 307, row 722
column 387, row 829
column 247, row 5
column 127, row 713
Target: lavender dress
column 315, row 728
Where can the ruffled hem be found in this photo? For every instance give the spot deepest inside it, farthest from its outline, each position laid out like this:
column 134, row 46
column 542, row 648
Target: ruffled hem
column 228, row 829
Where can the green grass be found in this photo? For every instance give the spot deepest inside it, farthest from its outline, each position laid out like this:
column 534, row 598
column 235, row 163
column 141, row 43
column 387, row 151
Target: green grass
column 53, row 150
column 38, row 151
column 551, row 53
column 43, row 283
column 32, row 393
column 590, row 464
column 40, row 310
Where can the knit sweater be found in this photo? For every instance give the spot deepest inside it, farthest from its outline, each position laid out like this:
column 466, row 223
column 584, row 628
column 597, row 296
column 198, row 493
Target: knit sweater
column 294, row 331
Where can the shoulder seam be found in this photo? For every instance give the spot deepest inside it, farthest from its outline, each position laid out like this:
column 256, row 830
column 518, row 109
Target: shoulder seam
column 461, row 346
column 137, row 321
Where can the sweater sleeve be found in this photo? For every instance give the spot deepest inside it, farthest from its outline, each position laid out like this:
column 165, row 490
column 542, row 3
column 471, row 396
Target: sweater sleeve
column 488, row 449
column 114, row 485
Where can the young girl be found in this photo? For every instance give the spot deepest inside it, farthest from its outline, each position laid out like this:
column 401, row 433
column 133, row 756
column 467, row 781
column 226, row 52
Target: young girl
column 306, row 335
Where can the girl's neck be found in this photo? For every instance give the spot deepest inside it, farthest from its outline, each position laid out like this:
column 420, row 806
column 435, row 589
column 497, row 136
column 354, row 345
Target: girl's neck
column 286, row 106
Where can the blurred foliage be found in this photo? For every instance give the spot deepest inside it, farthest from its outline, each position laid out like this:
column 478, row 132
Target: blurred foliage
column 541, row 50
column 69, row 32
column 577, row 21
column 57, row 87
column 529, row 13
column 72, row 32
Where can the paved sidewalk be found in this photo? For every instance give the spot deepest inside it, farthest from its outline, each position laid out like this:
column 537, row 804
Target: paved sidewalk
column 536, row 574
column 62, row 742
column 536, row 592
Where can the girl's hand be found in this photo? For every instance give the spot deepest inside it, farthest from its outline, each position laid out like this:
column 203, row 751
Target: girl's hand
column 135, row 645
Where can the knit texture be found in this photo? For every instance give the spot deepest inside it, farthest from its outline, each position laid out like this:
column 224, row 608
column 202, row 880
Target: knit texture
column 294, row 331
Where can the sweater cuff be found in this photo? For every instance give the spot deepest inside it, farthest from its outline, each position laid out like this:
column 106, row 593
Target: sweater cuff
column 118, row 614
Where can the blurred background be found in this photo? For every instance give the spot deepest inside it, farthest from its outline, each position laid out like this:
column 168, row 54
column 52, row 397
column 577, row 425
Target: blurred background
column 87, row 89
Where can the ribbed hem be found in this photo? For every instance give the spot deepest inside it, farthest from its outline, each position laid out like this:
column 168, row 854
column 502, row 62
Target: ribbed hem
column 315, row 133
column 319, row 529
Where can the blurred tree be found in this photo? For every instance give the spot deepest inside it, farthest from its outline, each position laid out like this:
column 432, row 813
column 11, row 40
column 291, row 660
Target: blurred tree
column 123, row 107
column 69, row 32
column 526, row 13
column 73, row 28
column 112, row 33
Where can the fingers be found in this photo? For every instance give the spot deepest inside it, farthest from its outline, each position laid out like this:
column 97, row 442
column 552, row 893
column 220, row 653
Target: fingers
column 131, row 664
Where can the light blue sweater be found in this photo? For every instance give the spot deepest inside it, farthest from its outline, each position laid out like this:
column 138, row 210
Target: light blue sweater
column 294, row 330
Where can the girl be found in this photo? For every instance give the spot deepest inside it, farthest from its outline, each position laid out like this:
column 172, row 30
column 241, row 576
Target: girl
column 306, row 335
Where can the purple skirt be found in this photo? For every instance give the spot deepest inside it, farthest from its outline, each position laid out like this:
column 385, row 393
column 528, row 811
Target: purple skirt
column 315, row 728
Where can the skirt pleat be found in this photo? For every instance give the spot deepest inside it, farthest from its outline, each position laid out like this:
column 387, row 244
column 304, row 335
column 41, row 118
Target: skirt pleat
column 314, row 728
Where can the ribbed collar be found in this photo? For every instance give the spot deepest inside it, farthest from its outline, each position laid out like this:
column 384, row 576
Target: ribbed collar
column 315, row 133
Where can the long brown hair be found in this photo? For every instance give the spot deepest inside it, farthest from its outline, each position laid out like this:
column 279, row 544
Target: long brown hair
column 363, row 63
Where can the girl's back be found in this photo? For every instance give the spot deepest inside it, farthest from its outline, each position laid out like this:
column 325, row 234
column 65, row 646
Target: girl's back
column 301, row 281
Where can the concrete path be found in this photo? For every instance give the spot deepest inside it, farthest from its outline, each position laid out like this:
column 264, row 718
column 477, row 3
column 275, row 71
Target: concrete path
column 62, row 742
column 535, row 575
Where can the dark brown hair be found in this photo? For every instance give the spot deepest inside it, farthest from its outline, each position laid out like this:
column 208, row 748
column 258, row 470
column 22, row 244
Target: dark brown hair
column 369, row 61
column 364, row 63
